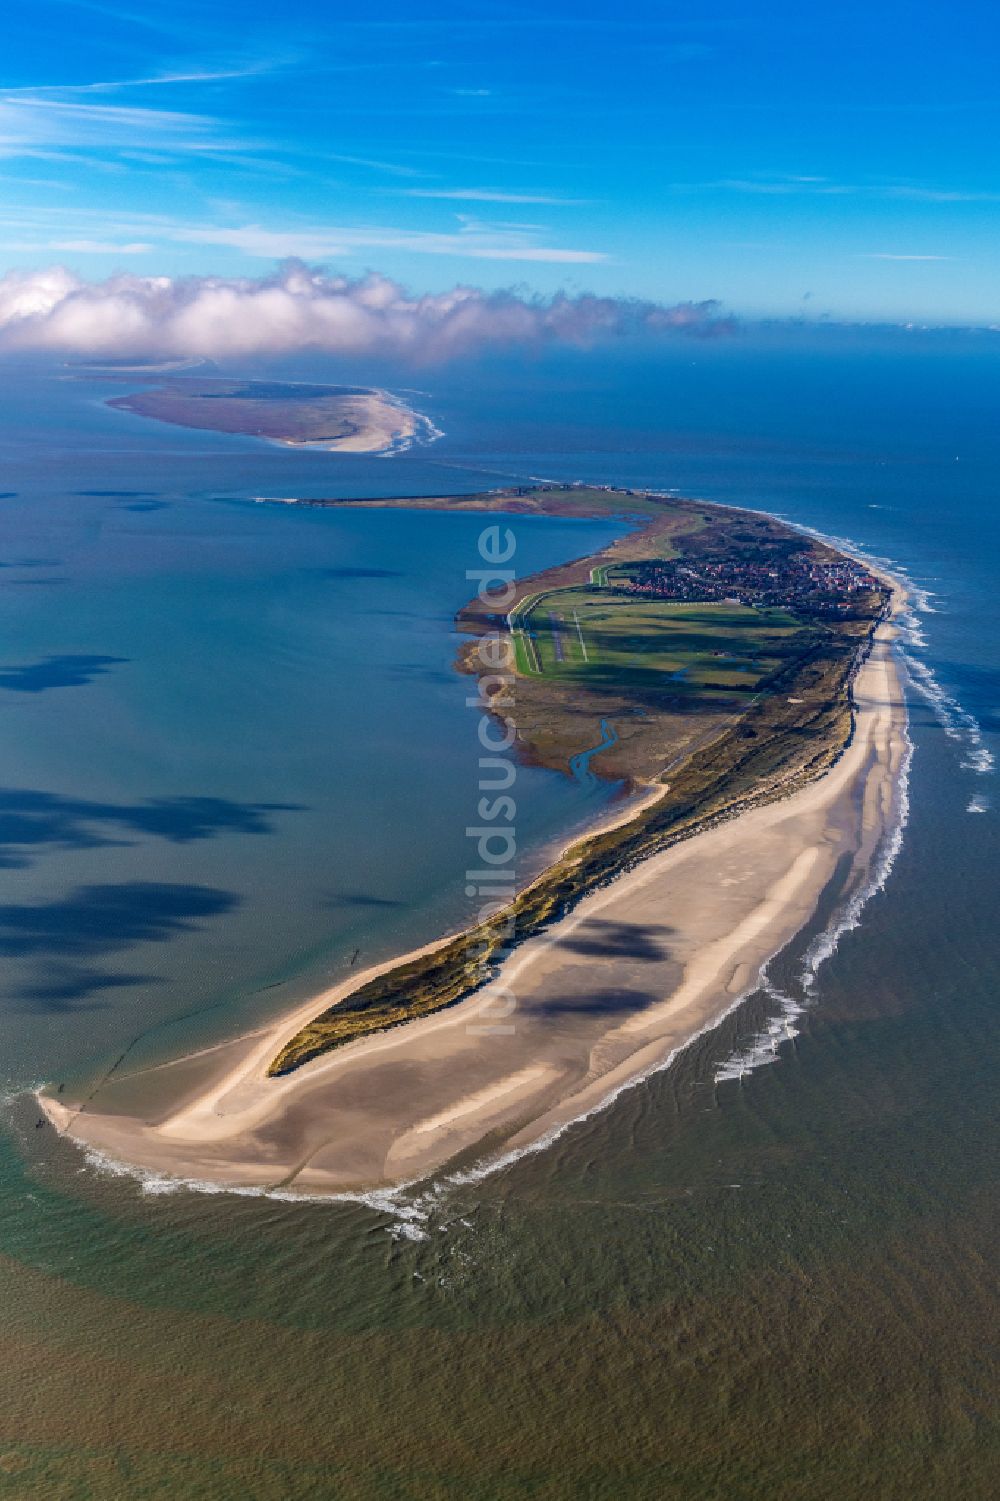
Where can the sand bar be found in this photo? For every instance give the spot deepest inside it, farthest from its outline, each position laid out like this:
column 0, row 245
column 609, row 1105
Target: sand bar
column 637, row 970
column 381, row 423
column 290, row 413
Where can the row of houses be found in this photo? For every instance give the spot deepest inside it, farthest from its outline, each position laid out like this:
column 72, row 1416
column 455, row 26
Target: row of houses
column 797, row 581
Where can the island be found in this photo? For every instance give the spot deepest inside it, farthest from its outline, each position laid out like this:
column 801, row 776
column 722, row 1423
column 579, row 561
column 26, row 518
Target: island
column 735, row 676
column 713, row 651
column 338, row 419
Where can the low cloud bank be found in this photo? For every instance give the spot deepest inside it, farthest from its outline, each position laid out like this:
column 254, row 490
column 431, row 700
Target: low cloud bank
column 298, row 308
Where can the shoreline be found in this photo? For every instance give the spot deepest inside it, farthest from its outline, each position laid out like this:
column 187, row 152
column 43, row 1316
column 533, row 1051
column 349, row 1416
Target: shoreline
column 770, row 745
column 380, row 424
column 395, row 1107
column 389, row 427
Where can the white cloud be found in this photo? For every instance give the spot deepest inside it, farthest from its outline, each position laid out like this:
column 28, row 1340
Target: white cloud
column 298, row 308
column 534, row 253
column 80, row 247
column 321, row 243
column 473, row 239
column 103, row 247
column 942, row 195
column 887, row 255
column 801, row 183
column 487, row 195
column 32, row 125
column 375, row 162
column 194, row 75
column 57, row 124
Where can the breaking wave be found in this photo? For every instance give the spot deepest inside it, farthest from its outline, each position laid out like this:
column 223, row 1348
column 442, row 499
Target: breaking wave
column 958, row 723
column 791, row 1004
column 424, row 434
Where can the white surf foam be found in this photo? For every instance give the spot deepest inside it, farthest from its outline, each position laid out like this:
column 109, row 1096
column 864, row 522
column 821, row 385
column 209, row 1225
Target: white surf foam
column 782, row 1027
column 408, row 1212
column 957, row 722
column 423, row 435
column 153, row 1183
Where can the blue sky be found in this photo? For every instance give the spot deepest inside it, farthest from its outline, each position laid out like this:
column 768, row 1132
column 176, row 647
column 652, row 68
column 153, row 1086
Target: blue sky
column 787, row 159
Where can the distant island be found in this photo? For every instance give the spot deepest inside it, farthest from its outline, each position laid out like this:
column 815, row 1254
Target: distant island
column 339, row 419
column 736, row 676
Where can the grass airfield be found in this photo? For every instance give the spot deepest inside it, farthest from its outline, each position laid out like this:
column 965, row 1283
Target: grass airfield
column 601, row 637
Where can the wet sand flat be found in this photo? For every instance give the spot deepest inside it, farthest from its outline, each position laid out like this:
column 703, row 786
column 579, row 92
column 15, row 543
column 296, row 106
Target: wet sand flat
column 380, row 422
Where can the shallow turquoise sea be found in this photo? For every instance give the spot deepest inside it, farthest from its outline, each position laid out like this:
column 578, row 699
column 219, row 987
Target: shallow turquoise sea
column 236, row 753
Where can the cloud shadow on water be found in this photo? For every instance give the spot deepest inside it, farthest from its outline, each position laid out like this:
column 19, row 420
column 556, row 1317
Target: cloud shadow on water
column 32, row 820
column 356, row 573
column 74, row 671
column 44, row 583
column 360, row 899
column 105, row 919
column 68, row 987
column 69, row 937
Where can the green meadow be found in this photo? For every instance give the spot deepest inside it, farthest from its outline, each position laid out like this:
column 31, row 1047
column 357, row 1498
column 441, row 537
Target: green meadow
column 600, row 637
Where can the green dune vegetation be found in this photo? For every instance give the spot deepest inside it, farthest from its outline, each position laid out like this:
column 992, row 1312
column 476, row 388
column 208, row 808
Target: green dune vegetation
column 716, row 645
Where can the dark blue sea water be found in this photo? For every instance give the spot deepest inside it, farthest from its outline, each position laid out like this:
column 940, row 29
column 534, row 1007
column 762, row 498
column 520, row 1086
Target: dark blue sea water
column 774, row 1286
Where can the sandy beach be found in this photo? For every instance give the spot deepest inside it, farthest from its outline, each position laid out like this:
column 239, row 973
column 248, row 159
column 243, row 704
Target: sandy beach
column 610, row 993
column 381, row 423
